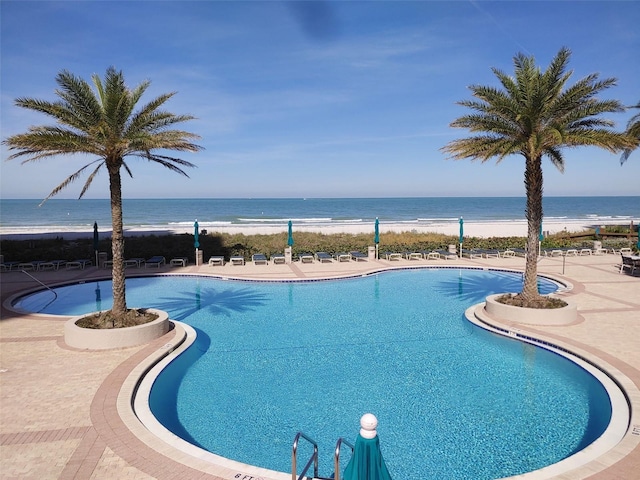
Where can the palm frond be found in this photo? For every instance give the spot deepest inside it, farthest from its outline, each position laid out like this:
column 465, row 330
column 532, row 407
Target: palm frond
column 103, row 121
column 90, row 178
column 70, row 179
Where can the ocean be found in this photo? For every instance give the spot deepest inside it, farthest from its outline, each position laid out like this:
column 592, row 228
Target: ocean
column 157, row 215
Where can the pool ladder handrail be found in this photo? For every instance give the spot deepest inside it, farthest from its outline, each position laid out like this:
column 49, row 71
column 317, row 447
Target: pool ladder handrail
column 55, row 295
column 314, row 457
column 336, row 456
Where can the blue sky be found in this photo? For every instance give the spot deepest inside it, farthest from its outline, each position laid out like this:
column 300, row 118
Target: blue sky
column 332, row 99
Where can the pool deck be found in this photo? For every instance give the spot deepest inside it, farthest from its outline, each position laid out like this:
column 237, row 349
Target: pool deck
column 59, row 406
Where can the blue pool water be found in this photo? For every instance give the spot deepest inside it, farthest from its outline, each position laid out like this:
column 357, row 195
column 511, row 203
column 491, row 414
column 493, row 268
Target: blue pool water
column 272, row 359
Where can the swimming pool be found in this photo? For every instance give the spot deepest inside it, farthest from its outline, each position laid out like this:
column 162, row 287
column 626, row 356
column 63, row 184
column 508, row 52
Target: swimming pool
column 271, row 359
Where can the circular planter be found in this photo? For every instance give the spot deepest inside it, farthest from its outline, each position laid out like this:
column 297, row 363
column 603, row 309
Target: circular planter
column 106, row 338
column 531, row 316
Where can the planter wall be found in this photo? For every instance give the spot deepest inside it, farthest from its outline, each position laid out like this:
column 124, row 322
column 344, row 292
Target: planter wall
column 531, row 316
column 102, row 339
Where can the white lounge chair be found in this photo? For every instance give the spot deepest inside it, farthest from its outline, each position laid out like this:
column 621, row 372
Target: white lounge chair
column 278, row 258
column 359, row 256
column 216, row 260
column 343, row 257
column 236, row 260
column 155, row 261
column 471, row 253
column 259, row 259
column 83, row 262
column 447, row 255
column 305, row 258
column 134, row 262
column 179, row 262
column 323, row 257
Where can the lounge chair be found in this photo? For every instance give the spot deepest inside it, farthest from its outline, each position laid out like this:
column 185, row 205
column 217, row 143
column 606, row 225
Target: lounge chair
column 134, row 262
column 323, row 257
column 520, row 252
column 490, row 253
column 259, row 259
column 431, row 255
column 343, row 257
column 392, row 256
column 216, row 260
column 28, row 265
column 236, row 260
column 179, row 262
column 305, row 258
column 278, row 258
column 447, row 255
column 58, row 263
column 155, row 261
column 471, row 253
column 413, row 256
column 359, row 256
column 8, row 265
column 51, row 264
column 81, row 263
column 507, row 253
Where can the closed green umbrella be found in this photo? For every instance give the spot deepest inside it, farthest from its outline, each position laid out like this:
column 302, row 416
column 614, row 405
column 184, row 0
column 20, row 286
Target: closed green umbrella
column 376, row 236
column 96, row 241
column 366, row 462
column 290, row 239
column 196, row 239
column 540, row 238
column 461, row 234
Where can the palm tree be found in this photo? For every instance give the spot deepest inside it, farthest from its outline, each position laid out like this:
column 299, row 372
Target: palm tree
column 104, row 124
column 535, row 114
column 633, row 130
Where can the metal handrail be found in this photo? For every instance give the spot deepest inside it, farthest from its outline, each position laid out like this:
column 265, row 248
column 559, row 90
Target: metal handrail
column 336, row 457
column 55, row 295
column 294, row 457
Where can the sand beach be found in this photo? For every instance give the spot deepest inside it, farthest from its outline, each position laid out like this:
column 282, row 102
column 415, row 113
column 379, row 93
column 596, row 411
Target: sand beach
column 513, row 228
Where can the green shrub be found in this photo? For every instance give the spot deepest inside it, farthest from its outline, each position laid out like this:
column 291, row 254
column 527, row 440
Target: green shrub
column 226, row 244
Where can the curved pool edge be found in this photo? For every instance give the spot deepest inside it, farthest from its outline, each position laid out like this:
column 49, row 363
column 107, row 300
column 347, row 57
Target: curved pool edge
column 617, row 441
column 133, row 409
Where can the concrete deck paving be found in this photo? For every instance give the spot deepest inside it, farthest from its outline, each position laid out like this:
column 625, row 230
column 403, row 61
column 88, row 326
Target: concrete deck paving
column 61, row 408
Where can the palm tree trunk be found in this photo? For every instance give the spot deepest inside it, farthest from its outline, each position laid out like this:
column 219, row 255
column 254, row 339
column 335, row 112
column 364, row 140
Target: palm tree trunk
column 117, row 245
column 533, row 212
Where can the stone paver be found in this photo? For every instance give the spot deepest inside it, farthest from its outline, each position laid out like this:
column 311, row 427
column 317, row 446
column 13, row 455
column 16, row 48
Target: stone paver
column 59, row 411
